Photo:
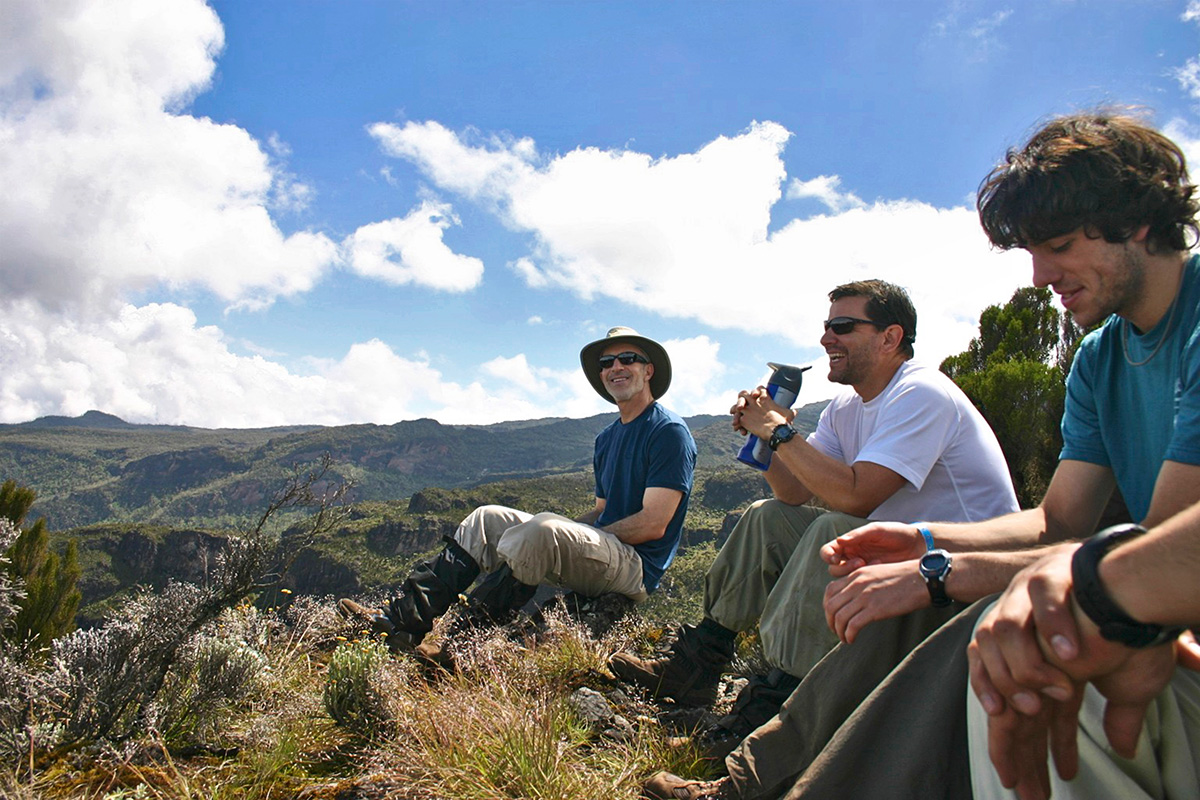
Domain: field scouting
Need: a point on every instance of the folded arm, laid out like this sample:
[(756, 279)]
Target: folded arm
[(658, 506)]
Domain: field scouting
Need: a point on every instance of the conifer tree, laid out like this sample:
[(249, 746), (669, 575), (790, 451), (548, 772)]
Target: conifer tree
[(1015, 374), (51, 597)]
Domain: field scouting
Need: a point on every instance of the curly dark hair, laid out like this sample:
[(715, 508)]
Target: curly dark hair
[(887, 304), (1104, 171)]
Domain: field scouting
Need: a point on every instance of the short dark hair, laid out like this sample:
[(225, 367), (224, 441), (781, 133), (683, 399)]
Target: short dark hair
[(1104, 171), (887, 304)]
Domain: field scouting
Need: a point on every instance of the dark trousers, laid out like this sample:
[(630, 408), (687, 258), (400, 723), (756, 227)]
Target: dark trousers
[(875, 719)]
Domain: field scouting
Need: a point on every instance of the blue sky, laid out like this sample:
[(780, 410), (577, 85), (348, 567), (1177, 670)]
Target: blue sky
[(244, 214)]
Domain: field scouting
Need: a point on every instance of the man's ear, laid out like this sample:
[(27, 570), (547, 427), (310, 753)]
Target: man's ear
[(649, 371), (893, 336)]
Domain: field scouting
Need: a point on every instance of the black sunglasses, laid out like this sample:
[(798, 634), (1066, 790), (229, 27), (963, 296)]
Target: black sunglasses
[(843, 325), (624, 358)]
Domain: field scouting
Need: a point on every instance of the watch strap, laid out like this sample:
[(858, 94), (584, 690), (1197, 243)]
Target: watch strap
[(935, 581), (1093, 599), (783, 432)]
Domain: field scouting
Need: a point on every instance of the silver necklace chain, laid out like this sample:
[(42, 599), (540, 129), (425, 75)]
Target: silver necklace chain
[(1166, 333)]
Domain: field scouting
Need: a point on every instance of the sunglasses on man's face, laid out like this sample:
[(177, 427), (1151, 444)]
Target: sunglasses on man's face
[(624, 358), (843, 325)]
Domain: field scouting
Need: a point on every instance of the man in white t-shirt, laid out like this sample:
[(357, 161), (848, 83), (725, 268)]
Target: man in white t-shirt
[(902, 443)]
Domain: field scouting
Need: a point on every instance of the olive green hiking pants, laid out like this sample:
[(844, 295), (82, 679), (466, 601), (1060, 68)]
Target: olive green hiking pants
[(770, 572)]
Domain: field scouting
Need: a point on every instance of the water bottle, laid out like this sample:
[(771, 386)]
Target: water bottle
[(784, 387)]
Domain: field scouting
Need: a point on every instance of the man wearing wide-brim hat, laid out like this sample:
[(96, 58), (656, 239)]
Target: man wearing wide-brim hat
[(643, 470)]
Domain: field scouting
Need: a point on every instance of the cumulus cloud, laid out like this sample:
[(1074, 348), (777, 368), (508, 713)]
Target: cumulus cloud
[(688, 236), (107, 188), (1187, 136), (827, 190), (411, 250), (154, 364), (697, 382)]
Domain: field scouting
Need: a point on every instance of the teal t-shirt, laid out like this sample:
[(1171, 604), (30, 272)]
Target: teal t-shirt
[(1132, 416), (656, 449)]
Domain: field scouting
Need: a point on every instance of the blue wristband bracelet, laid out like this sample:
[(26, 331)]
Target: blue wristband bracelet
[(928, 538)]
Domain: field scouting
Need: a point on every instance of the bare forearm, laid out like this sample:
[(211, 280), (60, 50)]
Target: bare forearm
[(590, 517), (637, 528), (1153, 577), (786, 487), (976, 575), (1017, 531), (836, 483), (658, 508)]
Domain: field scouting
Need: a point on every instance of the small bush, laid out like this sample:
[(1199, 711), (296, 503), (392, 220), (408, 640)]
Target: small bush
[(213, 675), (351, 694)]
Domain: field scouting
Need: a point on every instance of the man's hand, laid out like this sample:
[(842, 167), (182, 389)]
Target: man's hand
[(874, 543), (1031, 656), (872, 593), (756, 412), (1032, 616)]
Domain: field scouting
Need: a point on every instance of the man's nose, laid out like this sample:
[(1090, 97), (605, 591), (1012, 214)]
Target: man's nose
[(1044, 271)]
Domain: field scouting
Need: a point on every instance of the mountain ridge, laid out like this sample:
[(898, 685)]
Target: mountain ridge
[(97, 468)]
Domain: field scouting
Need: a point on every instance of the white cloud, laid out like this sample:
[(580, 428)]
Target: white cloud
[(474, 171), (107, 189), (688, 236), (1188, 75), (696, 376), (411, 250), (153, 364), (827, 190), (534, 278), (973, 35)]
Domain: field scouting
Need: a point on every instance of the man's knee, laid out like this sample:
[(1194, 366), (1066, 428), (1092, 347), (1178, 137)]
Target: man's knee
[(535, 534), (773, 520), (832, 524)]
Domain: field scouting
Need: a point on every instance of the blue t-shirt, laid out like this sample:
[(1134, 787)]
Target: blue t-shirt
[(654, 450), (1132, 418)]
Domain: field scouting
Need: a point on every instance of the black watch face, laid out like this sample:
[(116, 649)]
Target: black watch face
[(934, 562)]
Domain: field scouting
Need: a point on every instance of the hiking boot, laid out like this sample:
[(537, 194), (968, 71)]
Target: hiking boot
[(690, 672), (430, 590), (758, 701), (711, 744), (376, 620), (666, 786), (357, 612), (435, 657), (598, 614), (494, 602), (756, 704)]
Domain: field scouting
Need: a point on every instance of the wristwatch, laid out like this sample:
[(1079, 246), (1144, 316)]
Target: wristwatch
[(782, 433), (1115, 625), (934, 566)]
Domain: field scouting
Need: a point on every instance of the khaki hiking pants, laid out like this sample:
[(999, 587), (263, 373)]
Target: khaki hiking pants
[(549, 548)]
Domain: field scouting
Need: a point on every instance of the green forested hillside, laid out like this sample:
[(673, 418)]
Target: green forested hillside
[(97, 468), (148, 504)]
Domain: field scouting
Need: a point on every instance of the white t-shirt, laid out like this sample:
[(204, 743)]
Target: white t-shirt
[(926, 430)]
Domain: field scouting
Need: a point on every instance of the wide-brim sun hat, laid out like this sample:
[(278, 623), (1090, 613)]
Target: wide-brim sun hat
[(590, 355)]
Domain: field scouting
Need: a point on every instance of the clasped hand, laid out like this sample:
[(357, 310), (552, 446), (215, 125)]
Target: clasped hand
[(1031, 656), (757, 413)]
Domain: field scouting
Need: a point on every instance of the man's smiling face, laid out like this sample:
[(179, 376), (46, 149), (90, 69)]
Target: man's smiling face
[(1093, 278), (626, 381), (854, 355)]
